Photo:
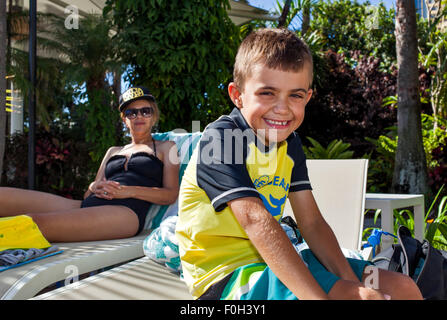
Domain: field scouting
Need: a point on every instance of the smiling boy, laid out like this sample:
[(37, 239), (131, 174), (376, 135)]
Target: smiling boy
[(234, 190)]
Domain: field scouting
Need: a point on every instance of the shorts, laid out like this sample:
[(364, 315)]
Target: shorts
[(257, 282)]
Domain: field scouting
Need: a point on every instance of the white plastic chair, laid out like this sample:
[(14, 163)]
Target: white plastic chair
[(339, 188)]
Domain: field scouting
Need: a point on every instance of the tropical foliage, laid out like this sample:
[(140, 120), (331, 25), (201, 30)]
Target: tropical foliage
[(71, 78), (336, 149), (436, 218), (183, 50)]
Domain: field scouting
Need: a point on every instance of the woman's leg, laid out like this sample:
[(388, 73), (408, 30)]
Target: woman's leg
[(87, 224), (14, 201)]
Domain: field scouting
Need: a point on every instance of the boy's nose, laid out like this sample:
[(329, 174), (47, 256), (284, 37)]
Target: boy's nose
[(281, 107)]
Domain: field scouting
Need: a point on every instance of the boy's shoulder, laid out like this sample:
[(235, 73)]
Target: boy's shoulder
[(222, 123), (234, 120)]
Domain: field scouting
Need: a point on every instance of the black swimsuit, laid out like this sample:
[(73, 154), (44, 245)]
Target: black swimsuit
[(143, 169)]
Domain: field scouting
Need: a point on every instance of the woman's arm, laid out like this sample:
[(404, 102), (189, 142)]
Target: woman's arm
[(318, 235), (275, 247), (100, 175)]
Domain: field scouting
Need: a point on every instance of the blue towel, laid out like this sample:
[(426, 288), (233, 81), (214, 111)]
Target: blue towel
[(18, 257)]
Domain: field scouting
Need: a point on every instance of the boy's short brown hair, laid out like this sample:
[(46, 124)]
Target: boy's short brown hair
[(275, 48)]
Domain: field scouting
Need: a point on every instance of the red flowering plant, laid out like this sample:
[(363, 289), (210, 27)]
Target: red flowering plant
[(63, 165)]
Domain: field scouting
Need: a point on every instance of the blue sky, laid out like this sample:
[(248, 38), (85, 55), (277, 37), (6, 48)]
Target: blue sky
[(271, 4)]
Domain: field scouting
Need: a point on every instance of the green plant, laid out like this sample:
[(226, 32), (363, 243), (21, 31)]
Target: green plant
[(349, 25), (432, 55), (367, 231), (299, 10), (433, 136), (91, 58), (182, 50), (436, 232), (381, 161), (381, 164), (336, 149)]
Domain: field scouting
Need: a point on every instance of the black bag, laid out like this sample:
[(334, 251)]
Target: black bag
[(426, 265)]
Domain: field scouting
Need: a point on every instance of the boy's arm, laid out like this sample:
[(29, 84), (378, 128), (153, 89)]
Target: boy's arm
[(318, 235), (275, 247)]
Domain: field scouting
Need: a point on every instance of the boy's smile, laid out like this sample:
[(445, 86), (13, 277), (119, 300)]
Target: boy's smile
[(273, 101)]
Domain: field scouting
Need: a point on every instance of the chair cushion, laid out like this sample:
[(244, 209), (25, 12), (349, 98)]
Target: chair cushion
[(186, 142)]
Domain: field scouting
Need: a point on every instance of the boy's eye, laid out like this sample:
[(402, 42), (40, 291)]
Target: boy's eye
[(297, 96)]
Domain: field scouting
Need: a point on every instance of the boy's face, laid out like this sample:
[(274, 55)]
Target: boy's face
[(273, 101)]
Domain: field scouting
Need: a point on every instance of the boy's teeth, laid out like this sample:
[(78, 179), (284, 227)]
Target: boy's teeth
[(280, 123)]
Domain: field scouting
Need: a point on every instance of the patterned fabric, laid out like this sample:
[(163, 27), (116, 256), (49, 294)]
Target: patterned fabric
[(186, 142), (258, 282), (162, 246)]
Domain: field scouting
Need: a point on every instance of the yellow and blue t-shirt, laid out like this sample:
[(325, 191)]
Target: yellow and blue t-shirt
[(229, 163)]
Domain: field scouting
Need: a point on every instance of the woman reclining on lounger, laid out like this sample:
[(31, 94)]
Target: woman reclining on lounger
[(129, 180)]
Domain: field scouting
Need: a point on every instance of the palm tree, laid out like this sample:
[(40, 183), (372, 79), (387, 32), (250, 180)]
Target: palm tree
[(88, 50), (410, 171), (75, 67), (284, 13)]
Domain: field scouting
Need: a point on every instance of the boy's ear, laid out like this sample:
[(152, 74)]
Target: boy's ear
[(234, 93), (309, 95)]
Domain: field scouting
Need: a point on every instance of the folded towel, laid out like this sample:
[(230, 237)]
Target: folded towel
[(162, 246), (17, 257)]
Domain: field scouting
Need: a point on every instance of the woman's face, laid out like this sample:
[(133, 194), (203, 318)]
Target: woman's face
[(139, 117)]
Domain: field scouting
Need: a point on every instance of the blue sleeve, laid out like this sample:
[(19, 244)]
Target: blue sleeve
[(300, 179), (221, 170)]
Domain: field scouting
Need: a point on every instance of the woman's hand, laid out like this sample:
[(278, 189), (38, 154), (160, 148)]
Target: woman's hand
[(109, 190)]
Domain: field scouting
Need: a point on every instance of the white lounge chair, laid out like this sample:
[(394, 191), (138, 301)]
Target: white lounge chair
[(85, 257), (339, 188)]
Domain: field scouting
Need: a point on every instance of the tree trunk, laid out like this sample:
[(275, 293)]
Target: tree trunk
[(410, 170), (117, 90), (3, 42), (306, 18), (285, 11)]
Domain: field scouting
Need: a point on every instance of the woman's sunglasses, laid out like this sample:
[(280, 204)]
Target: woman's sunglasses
[(146, 112)]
